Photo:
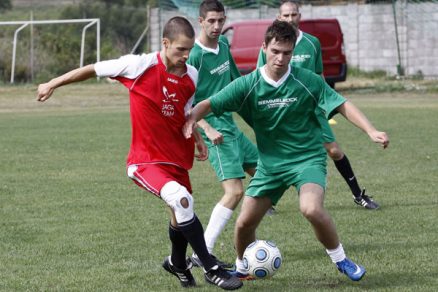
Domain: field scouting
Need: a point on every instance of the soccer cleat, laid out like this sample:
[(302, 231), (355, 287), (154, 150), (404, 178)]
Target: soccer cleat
[(242, 276), (185, 276), (366, 201), (197, 262), (352, 270), (221, 278)]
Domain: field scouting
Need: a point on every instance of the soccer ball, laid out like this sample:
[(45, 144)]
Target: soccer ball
[(262, 259)]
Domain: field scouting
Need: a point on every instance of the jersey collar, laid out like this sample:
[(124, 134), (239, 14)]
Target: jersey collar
[(268, 80), (214, 51), (299, 37), (160, 61)]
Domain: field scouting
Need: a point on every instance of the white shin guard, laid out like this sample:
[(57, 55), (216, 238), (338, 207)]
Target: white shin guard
[(174, 194)]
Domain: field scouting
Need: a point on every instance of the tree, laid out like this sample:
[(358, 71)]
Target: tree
[(5, 5)]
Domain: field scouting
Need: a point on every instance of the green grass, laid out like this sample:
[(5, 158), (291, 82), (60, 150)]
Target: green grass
[(70, 219)]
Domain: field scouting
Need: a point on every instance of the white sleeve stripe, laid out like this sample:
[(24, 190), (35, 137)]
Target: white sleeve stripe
[(314, 48), (193, 74), (189, 105), (310, 93)]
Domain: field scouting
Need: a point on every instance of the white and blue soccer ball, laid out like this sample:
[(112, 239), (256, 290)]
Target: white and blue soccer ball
[(262, 259)]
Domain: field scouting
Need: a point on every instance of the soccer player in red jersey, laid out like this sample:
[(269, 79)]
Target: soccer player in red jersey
[(161, 90)]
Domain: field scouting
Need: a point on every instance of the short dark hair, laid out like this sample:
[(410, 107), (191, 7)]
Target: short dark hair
[(281, 31), (210, 5), (176, 26), (297, 3)]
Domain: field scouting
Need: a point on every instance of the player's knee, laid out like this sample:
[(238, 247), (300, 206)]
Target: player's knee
[(245, 224), (233, 197), (311, 211), (239, 225), (179, 199), (334, 151)]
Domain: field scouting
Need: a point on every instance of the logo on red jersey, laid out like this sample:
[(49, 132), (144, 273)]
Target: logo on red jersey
[(168, 108), (172, 80)]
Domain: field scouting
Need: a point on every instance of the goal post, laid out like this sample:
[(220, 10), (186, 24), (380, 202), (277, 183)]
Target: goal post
[(23, 24)]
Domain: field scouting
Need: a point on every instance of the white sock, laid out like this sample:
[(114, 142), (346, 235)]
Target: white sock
[(218, 219), (239, 266), (337, 254)]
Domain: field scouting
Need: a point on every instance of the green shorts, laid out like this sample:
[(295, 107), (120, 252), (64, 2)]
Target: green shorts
[(273, 185), (231, 158)]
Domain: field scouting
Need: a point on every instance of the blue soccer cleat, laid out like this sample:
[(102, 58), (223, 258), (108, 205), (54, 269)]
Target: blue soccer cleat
[(352, 270), (241, 276)]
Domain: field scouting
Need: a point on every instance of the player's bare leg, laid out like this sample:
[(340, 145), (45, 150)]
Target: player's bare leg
[(312, 207), (251, 214), (233, 193)]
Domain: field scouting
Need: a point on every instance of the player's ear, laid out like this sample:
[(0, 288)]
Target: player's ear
[(264, 47), (200, 19), (165, 42)]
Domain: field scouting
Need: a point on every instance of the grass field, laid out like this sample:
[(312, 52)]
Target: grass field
[(70, 219)]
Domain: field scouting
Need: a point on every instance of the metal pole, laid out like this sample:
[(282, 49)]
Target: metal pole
[(15, 49), (98, 41), (31, 48), (83, 42), (140, 39), (399, 66)]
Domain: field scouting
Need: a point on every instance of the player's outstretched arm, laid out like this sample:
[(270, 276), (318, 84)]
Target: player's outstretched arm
[(356, 117), (197, 113), (45, 90)]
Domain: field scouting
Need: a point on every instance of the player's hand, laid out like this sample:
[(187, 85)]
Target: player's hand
[(188, 128), (380, 137), (44, 92), (214, 135), (202, 154)]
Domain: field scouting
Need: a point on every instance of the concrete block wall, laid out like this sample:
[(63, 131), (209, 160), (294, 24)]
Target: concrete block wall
[(369, 33)]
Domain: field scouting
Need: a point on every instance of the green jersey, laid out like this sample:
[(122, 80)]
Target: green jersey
[(307, 54), (286, 114), (216, 69)]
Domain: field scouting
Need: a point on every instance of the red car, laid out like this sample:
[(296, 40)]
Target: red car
[(246, 38)]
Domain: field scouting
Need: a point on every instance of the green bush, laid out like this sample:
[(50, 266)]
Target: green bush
[(57, 47)]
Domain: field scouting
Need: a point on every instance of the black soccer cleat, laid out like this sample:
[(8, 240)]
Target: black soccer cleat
[(197, 262), (185, 277), (221, 278), (366, 201)]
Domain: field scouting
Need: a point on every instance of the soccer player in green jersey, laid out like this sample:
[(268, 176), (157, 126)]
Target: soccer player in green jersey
[(231, 153), (307, 54), (285, 104)]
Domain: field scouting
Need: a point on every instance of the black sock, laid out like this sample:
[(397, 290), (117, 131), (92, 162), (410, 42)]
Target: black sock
[(194, 233), (344, 167), (179, 247)]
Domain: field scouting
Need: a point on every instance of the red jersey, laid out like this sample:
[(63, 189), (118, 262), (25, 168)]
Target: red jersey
[(159, 102)]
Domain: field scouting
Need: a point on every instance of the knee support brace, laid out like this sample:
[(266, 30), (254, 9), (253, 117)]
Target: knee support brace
[(174, 195)]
